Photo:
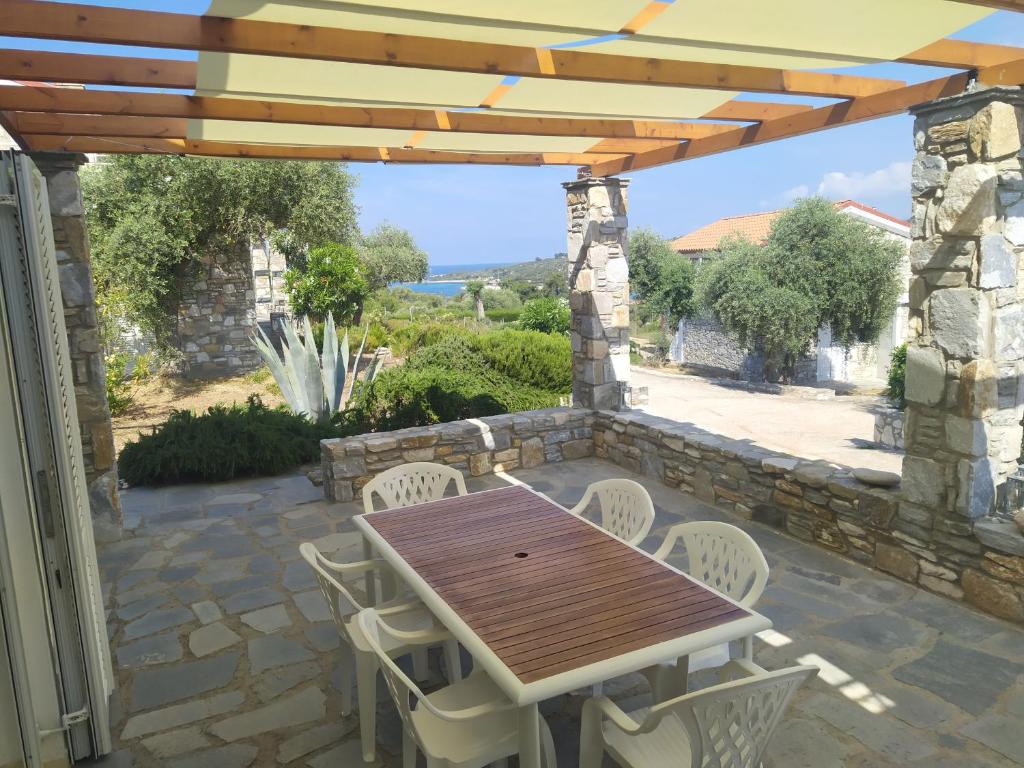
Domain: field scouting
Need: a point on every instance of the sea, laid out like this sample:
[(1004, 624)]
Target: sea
[(436, 283)]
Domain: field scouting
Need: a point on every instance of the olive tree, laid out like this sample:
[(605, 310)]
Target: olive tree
[(817, 266)]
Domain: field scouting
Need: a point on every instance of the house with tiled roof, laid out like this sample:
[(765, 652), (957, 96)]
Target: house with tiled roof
[(703, 346)]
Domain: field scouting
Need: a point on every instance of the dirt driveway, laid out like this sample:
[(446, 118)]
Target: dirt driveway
[(835, 430)]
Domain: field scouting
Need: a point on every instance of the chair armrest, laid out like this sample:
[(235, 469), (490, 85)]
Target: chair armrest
[(737, 669), (603, 706), (471, 713)]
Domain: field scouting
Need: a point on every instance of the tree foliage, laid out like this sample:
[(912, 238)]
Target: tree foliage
[(152, 217), (817, 266), (392, 256), (661, 278), (331, 283)]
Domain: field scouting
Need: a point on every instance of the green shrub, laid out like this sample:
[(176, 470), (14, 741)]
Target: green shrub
[(540, 360), (547, 315), (898, 376), (465, 375), (119, 394), (410, 396), (221, 444)]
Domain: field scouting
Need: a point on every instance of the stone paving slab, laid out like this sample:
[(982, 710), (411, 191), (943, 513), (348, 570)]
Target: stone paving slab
[(908, 678)]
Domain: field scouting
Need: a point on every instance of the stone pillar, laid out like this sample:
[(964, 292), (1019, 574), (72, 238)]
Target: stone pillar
[(598, 291), (79, 296), (965, 358), (217, 315)]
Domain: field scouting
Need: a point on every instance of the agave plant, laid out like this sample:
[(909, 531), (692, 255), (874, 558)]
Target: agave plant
[(313, 383)]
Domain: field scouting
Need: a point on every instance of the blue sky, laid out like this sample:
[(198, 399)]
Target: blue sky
[(470, 214)]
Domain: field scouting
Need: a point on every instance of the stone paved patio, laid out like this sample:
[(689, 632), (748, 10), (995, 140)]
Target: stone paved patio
[(225, 653)]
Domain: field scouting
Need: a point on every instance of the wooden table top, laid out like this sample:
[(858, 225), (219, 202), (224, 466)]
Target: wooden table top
[(545, 590)]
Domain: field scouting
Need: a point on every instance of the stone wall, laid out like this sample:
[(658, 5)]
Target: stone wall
[(598, 290), (889, 427), (217, 316), (73, 262), (475, 446), (814, 501), (701, 343)]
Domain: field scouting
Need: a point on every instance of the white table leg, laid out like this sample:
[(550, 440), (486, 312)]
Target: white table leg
[(529, 737), (371, 585)]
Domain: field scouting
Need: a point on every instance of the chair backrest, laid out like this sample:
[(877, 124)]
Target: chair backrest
[(413, 483), (331, 576), (626, 508), (721, 556), (729, 725)]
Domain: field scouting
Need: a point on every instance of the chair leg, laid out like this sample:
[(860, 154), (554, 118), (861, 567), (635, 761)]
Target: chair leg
[(346, 670), (591, 739), (366, 686), (453, 660), (420, 670), (547, 745), (408, 749)]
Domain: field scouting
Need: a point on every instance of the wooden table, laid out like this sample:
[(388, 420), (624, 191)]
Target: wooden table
[(548, 602)]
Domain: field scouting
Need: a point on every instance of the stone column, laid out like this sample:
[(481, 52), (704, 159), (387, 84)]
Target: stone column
[(79, 296), (965, 358), (598, 291)]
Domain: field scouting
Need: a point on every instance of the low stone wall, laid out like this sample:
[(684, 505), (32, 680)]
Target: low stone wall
[(889, 427), (475, 446), (814, 501)]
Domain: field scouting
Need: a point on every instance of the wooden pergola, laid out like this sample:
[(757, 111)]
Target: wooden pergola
[(365, 93)]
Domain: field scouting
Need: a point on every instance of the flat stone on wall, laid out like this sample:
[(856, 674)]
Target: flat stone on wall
[(71, 241)]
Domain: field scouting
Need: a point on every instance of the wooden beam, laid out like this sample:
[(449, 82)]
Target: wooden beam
[(42, 124), (961, 54), (62, 100), (1011, 73), (754, 111), (999, 5), (147, 145), (858, 110), (89, 69), (114, 126), (85, 23)]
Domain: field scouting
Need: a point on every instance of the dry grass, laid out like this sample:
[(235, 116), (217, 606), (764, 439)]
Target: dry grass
[(158, 396)]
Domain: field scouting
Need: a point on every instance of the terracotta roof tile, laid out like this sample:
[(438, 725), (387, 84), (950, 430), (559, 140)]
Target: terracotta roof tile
[(753, 227)]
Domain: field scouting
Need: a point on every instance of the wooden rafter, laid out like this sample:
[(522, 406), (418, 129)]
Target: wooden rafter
[(961, 54), (87, 69), (858, 110), (999, 5), (84, 23), (114, 126), (146, 145), (1010, 73), (126, 104)]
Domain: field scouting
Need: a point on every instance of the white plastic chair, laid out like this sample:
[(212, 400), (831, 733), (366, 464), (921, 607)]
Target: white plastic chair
[(726, 726), (468, 724), (418, 628), (726, 559), (626, 508), (413, 483)]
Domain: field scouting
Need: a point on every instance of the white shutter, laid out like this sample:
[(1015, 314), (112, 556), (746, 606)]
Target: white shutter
[(69, 481)]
